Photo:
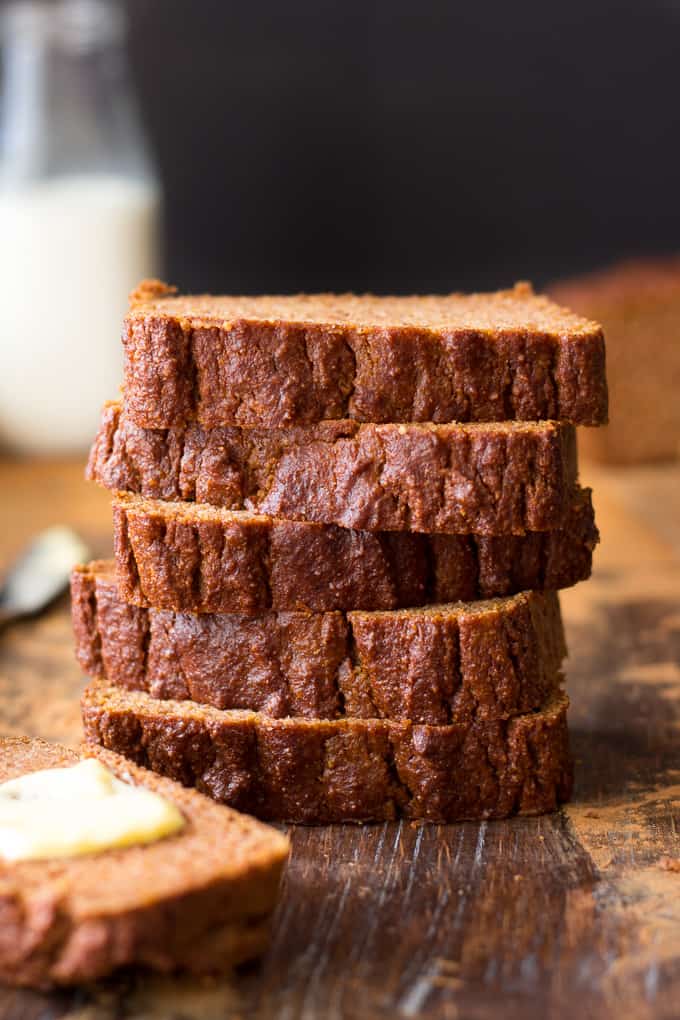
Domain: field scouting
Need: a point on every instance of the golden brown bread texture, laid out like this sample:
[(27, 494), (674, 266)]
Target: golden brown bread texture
[(323, 771), (484, 479), (285, 360), (639, 303), (191, 557), (199, 901), (436, 665)]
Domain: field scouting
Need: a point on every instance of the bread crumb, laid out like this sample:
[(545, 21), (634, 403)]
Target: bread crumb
[(669, 863)]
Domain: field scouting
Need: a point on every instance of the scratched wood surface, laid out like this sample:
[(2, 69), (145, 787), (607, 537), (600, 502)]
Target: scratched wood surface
[(576, 914)]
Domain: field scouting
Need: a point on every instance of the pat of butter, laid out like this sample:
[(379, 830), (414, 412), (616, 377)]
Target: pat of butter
[(83, 809)]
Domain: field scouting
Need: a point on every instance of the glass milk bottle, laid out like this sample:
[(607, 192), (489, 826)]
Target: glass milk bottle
[(78, 217)]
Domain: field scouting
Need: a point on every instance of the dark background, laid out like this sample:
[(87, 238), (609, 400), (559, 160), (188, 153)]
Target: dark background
[(404, 146)]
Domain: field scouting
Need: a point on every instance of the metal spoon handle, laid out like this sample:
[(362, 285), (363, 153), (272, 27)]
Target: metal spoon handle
[(40, 574)]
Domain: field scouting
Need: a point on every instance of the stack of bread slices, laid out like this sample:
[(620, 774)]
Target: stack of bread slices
[(340, 525)]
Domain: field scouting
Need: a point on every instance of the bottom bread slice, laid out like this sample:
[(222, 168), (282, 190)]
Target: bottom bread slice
[(198, 901), (322, 771)]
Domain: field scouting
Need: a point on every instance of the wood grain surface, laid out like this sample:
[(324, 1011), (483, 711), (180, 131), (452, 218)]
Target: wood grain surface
[(572, 915)]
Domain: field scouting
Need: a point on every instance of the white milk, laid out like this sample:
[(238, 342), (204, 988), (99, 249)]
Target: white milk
[(71, 249)]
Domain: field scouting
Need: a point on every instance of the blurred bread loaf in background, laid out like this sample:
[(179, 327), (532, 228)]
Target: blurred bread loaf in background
[(638, 304)]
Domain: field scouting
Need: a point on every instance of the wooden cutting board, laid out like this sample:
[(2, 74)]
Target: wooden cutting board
[(572, 915)]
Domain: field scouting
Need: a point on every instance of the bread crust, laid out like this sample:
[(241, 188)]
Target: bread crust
[(195, 558), (303, 359), (74, 920), (459, 479), (319, 772), (439, 665)]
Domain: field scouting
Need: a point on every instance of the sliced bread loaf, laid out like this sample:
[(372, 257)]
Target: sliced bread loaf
[(197, 901), (191, 557), (285, 360), (322, 771), (435, 665), (639, 302), (488, 479)]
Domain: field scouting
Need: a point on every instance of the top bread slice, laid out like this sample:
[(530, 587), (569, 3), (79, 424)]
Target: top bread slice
[(198, 901), (275, 361)]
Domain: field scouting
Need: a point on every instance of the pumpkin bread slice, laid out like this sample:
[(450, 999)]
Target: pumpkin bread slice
[(310, 357), (199, 901)]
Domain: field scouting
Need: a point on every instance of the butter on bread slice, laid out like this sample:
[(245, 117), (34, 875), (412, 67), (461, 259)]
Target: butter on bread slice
[(199, 901)]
